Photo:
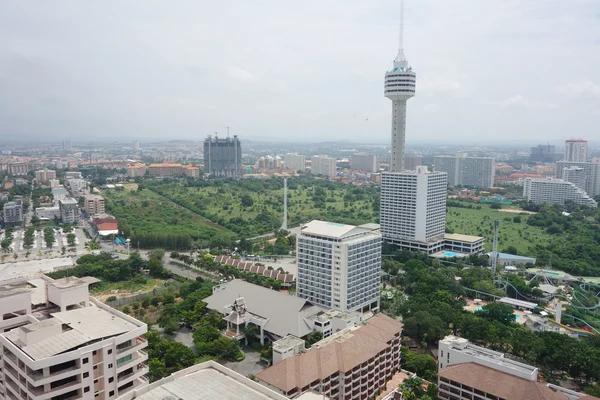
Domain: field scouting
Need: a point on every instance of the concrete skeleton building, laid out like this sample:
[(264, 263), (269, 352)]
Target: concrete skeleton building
[(542, 153), (467, 171), (576, 150), (364, 162), (468, 372), (413, 209), (294, 162), (223, 157), (323, 165), (94, 204), (57, 342), (591, 170), (354, 363), (45, 175), (13, 213), (339, 266), (555, 191)]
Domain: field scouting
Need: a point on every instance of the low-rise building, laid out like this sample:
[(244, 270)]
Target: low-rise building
[(45, 175), (69, 211), (13, 213), (94, 204), (48, 213), (136, 169), (73, 175), (78, 187), (463, 243), (165, 169), (352, 364), (57, 342)]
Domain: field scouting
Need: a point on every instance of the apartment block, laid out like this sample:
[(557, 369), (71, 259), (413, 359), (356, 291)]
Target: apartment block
[(13, 213), (191, 171), (45, 175), (136, 169), (576, 150), (467, 171), (413, 209), (364, 162), (592, 174), (411, 161), (555, 191), (69, 211), (354, 363), (339, 266), (223, 157), (58, 343), (294, 162), (94, 204), (18, 168), (468, 372), (323, 165)]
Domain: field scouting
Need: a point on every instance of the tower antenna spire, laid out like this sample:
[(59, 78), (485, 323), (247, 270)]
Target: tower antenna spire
[(401, 62)]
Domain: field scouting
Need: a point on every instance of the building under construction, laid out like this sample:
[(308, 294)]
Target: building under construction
[(223, 157)]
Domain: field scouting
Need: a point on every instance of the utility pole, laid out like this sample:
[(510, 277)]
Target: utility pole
[(495, 248)]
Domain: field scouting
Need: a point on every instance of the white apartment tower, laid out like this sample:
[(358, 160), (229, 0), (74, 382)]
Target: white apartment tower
[(339, 266), (323, 165), (555, 191), (467, 171), (591, 171), (413, 209), (399, 87), (58, 343), (364, 162), (294, 162), (576, 150)]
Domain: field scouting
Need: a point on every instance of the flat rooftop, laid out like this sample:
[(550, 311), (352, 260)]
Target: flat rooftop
[(207, 381), (462, 238), (30, 269), (287, 342), (334, 230)]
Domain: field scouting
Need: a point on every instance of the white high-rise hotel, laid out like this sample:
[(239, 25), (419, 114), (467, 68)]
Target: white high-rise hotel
[(413, 203), (339, 266)]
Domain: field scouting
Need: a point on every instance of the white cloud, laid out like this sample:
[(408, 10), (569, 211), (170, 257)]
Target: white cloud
[(581, 89), (440, 85), (432, 107), (520, 101), (240, 74)]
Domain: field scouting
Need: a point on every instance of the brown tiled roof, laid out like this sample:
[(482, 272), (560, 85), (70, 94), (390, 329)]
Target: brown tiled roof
[(338, 355), (499, 383), (589, 397), (289, 278)]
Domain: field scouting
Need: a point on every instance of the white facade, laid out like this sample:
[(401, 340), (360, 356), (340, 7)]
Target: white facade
[(339, 266), (69, 212), (576, 150), (575, 175), (592, 174), (77, 186), (323, 165), (364, 162), (48, 213), (555, 191), (467, 171), (413, 209), (454, 350), (79, 348), (294, 162)]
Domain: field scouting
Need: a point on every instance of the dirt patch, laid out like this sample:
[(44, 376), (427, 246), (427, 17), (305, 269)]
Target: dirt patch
[(512, 210), (130, 186)]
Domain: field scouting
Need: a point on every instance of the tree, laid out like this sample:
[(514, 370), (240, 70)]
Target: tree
[(313, 338), (205, 333), (424, 325), (499, 312), (246, 200), (157, 368), (421, 364), (71, 239), (511, 250)]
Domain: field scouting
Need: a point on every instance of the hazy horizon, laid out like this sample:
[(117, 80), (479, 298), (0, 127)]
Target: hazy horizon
[(497, 71)]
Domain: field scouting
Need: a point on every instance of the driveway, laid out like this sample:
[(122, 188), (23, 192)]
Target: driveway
[(249, 365)]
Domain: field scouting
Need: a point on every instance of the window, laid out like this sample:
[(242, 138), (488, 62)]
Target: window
[(110, 365), (94, 352), (95, 380), (111, 393), (109, 351), (86, 389), (111, 380), (86, 374), (86, 360)]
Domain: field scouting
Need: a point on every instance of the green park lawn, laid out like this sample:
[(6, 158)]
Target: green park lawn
[(481, 223)]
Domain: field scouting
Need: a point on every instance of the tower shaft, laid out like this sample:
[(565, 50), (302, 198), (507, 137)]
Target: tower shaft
[(398, 135)]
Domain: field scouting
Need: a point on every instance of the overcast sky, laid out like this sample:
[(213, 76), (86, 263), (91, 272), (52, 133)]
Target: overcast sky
[(298, 70)]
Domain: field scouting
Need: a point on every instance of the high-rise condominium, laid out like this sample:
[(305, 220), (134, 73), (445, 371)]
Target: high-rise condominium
[(576, 150), (223, 157), (364, 162), (591, 171), (339, 266), (467, 171), (294, 162), (323, 165), (413, 209)]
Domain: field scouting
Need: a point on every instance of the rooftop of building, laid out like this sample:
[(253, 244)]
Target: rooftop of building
[(286, 314), (336, 231), (165, 164), (498, 383), (94, 197), (287, 342), (69, 330), (515, 257), (72, 281), (340, 352), (462, 238), (68, 200), (464, 346)]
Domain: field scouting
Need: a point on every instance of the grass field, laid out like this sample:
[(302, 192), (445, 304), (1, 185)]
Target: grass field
[(253, 208), (148, 211), (480, 223)]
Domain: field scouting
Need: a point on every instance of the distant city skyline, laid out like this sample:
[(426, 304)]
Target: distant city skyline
[(488, 71)]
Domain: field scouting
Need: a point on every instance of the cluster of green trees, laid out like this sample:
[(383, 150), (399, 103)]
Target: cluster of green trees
[(413, 389), (434, 309), (167, 240), (166, 356), (209, 342), (28, 237), (49, 238), (7, 240)]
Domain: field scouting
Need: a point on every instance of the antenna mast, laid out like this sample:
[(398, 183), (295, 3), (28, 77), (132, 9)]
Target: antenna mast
[(401, 62)]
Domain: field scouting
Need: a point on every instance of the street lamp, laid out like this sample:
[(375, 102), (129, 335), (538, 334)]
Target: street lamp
[(128, 240)]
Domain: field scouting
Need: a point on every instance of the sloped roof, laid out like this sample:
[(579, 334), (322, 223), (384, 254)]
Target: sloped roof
[(285, 313), (499, 383)]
